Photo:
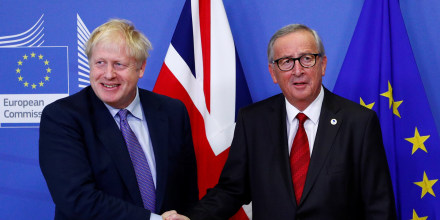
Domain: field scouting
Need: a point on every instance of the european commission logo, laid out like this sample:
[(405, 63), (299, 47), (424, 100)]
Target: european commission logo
[(83, 63), (32, 76)]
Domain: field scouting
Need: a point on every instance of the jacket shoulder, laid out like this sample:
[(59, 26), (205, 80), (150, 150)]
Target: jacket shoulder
[(273, 102), (349, 108), (75, 102), (152, 97)]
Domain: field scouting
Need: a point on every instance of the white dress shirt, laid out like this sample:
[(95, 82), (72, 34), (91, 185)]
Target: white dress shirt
[(313, 112)]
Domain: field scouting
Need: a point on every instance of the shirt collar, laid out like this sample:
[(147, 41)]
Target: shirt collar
[(312, 111), (134, 107)]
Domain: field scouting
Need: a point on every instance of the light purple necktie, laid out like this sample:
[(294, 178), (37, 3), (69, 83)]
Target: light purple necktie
[(140, 163)]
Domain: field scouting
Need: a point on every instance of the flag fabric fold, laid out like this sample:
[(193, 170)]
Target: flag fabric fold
[(202, 69), (380, 73)]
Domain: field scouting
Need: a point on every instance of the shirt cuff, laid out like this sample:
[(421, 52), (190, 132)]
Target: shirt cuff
[(155, 217)]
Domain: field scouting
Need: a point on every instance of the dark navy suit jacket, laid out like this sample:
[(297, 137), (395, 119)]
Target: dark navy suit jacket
[(87, 166), (348, 176)]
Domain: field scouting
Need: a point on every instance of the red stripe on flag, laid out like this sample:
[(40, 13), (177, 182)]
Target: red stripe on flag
[(205, 32), (209, 166), (240, 215)]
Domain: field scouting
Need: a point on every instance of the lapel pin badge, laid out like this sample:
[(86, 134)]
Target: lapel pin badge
[(333, 121)]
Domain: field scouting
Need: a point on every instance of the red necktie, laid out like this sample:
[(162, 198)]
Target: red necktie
[(299, 158)]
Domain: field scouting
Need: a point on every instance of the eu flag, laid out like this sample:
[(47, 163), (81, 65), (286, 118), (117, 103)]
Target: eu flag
[(33, 70), (380, 72)]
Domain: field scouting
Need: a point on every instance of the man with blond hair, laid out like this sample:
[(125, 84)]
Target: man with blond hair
[(113, 150)]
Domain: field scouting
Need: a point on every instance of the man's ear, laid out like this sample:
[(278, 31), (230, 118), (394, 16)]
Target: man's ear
[(142, 69), (272, 72), (324, 65)]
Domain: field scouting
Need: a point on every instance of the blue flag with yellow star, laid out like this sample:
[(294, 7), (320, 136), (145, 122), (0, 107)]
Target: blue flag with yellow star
[(33, 70), (380, 73)]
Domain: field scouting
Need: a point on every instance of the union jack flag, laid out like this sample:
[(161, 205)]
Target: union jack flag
[(202, 69)]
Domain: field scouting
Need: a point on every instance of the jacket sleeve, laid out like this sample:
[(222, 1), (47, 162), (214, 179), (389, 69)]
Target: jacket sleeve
[(376, 186), (232, 190), (189, 187)]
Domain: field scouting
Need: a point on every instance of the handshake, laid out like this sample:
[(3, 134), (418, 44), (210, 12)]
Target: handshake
[(173, 215)]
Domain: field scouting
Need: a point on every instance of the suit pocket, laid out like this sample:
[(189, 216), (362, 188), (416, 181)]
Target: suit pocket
[(335, 169)]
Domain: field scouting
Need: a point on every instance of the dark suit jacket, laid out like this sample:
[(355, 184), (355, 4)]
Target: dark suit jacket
[(348, 176), (87, 166)]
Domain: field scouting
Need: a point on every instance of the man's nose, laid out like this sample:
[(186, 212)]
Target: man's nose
[(109, 71), (297, 69)]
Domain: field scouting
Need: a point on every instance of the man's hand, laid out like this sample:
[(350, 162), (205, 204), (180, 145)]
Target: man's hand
[(173, 215)]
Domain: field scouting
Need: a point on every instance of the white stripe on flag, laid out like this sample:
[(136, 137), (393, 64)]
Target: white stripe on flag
[(223, 67), (219, 137), (198, 55)]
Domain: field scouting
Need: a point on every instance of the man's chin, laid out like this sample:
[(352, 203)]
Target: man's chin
[(109, 99)]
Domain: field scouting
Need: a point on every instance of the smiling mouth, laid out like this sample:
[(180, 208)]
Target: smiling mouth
[(110, 86)]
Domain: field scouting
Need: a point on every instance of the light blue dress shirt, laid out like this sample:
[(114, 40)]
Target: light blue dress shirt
[(138, 124)]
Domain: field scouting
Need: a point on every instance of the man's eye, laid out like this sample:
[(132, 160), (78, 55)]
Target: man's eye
[(307, 58), (285, 61), (119, 66)]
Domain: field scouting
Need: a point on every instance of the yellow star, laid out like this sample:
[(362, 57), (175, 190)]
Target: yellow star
[(26, 84), (40, 57), (416, 217), (395, 106), (32, 54), (418, 141), (34, 86), (20, 78), (48, 70), (18, 70), (20, 63), (41, 83), (25, 57), (370, 106), (46, 78), (426, 185), (389, 94), (46, 62)]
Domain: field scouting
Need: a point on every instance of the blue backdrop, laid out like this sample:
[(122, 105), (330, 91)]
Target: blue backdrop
[(61, 26)]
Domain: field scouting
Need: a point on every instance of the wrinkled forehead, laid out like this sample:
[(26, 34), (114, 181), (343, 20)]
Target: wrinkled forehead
[(296, 42), (117, 47)]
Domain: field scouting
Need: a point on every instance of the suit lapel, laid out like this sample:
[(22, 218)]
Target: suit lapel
[(157, 122), (328, 127), (112, 139), (278, 139)]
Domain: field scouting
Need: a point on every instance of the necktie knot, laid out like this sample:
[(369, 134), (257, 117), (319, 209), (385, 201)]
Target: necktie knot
[(301, 118), (123, 113)]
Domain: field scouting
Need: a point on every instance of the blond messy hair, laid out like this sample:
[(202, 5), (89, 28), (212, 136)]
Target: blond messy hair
[(118, 32)]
